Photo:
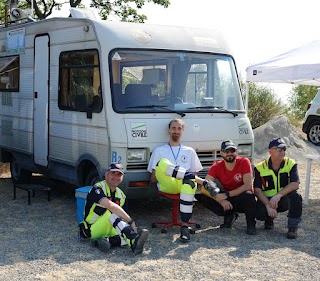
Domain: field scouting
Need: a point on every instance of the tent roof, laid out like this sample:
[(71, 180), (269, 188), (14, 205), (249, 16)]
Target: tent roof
[(298, 66)]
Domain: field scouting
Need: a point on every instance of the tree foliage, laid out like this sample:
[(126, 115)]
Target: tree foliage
[(125, 10), (263, 104), (300, 96)]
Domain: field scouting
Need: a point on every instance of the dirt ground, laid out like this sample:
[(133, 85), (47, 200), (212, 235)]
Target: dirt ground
[(39, 242)]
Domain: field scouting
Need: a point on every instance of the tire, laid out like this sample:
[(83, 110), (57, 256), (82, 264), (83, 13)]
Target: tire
[(313, 133), (92, 178), (19, 175)]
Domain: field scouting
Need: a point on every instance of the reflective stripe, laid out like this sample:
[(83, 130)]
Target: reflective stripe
[(187, 197), (266, 174), (170, 169), (186, 209), (92, 218), (175, 171)]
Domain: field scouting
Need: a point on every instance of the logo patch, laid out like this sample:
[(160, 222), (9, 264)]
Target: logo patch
[(237, 177), (184, 159)]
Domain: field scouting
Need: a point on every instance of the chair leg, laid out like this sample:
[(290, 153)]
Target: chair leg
[(174, 219), (175, 211)]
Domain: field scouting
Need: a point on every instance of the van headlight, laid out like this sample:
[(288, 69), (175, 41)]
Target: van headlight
[(244, 150), (137, 155)]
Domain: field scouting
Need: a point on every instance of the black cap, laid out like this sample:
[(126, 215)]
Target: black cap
[(116, 167), (228, 144), (278, 142)]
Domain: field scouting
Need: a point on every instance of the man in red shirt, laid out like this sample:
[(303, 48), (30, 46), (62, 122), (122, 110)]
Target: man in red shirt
[(235, 175)]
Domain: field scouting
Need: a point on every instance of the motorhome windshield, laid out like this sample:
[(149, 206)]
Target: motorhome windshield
[(161, 81)]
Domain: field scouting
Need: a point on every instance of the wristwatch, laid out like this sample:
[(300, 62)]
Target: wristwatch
[(227, 193)]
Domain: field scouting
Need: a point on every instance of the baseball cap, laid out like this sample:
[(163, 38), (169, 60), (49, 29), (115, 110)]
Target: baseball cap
[(228, 144), (278, 142), (116, 167)]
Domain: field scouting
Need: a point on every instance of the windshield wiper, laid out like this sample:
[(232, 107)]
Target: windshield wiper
[(219, 109), (165, 107)]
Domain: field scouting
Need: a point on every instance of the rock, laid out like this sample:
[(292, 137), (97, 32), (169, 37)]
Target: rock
[(280, 126)]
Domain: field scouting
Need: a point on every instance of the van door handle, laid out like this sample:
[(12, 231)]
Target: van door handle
[(35, 95)]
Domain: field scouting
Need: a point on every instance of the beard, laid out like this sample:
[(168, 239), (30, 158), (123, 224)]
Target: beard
[(175, 137), (229, 159)]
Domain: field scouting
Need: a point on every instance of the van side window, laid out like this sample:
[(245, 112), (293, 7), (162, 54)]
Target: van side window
[(9, 74), (79, 81)]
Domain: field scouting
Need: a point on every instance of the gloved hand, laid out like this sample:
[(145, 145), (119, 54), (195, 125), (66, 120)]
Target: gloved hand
[(211, 187)]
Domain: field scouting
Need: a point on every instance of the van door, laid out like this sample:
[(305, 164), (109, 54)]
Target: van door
[(41, 99)]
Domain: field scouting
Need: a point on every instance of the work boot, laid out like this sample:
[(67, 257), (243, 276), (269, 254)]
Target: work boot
[(102, 244), (268, 223), (185, 234), (228, 221), (139, 241), (292, 233), (251, 229), (115, 241)]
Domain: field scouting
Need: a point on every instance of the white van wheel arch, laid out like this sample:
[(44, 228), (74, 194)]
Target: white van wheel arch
[(19, 175), (314, 133)]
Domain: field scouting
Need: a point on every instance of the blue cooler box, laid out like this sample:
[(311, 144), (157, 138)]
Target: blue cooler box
[(81, 195)]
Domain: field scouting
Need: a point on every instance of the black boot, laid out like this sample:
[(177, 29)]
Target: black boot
[(251, 226), (228, 221)]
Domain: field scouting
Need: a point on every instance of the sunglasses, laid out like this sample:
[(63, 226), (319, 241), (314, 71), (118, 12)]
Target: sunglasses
[(279, 149), (230, 150)]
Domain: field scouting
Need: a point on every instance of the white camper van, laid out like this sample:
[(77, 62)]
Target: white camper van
[(78, 94)]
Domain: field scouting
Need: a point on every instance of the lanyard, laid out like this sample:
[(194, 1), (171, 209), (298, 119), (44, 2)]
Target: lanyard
[(175, 156)]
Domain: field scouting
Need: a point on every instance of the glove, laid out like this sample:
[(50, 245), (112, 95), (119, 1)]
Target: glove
[(211, 187)]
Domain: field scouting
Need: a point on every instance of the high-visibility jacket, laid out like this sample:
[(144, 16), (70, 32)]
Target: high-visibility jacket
[(272, 183), (96, 211)]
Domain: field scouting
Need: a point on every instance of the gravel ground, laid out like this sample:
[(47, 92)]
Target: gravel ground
[(39, 242)]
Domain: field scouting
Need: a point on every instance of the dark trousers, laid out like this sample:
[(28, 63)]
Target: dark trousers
[(243, 203), (291, 202)]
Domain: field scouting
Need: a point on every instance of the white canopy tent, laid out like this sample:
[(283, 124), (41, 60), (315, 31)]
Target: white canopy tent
[(298, 66)]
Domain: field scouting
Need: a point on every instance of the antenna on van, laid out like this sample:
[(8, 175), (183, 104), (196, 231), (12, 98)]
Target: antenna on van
[(17, 14)]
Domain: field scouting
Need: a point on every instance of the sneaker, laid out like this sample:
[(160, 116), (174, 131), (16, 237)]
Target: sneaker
[(228, 221), (292, 233), (185, 234), (251, 229), (102, 244), (268, 224), (139, 241)]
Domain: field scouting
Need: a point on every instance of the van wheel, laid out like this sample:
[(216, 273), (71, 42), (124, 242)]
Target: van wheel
[(92, 178), (19, 175), (314, 133)]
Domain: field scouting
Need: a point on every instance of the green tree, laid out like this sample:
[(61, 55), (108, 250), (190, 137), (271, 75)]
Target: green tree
[(125, 10), (299, 98), (263, 104)]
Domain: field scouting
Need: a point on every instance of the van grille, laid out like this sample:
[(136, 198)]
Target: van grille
[(207, 158)]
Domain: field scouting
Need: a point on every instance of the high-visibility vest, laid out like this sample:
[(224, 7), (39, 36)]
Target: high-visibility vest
[(272, 183), (96, 211)]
